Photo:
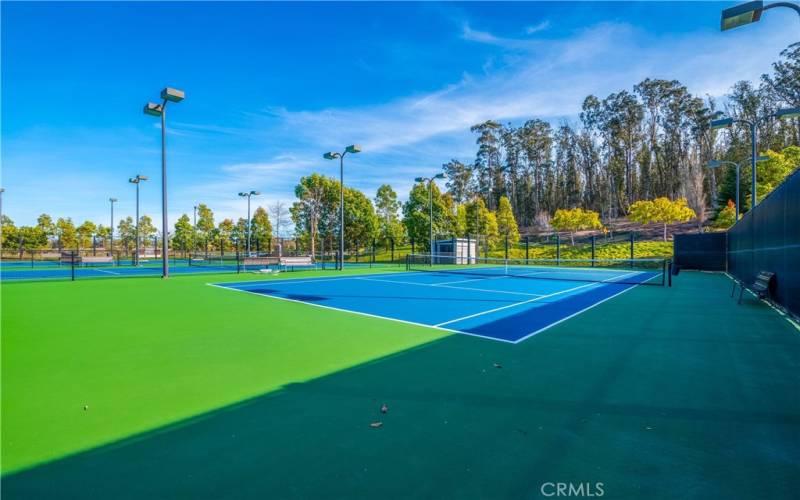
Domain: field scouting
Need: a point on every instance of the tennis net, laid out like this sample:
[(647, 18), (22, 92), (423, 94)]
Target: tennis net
[(623, 271)]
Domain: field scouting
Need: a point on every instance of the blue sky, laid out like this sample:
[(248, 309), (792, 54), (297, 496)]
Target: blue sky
[(271, 86)]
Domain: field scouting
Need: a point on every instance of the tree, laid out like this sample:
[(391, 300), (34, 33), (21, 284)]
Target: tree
[(316, 195), (146, 230), (9, 233), (360, 221), (260, 230), (386, 208), (205, 223), (726, 217), (575, 219), (281, 217), (506, 224), (67, 236), (45, 223), (85, 232), (126, 229), (224, 232), (661, 210), (459, 180), (481, 223), (416, 214), (104, 233), (183, 232)]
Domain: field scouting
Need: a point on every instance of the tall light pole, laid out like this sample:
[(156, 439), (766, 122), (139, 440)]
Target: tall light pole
[(248, 195), (137, 180), (194, 232), (2, 190), (786, 113), (738, 165), (112, 201), (167, 95), (354, 148), (749, 12), (429, 180)]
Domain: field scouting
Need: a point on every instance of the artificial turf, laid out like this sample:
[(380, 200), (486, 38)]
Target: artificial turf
[(659, 393)]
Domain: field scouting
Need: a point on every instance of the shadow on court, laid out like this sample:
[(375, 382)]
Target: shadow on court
[(659, 393)]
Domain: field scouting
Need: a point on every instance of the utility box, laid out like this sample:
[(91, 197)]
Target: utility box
[(455, 251)]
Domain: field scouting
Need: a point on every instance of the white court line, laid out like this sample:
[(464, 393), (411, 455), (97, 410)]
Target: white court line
[(321, 279), (358, 313), (440, 285), (105, 271), (525, 302), (540, 330)]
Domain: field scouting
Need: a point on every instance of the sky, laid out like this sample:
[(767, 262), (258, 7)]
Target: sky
[(270, 87)]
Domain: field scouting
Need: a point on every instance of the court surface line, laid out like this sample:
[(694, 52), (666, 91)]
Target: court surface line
[(438, 285), (540, 330), (359, 313), (514, 304), (106, 271), (531, 300)]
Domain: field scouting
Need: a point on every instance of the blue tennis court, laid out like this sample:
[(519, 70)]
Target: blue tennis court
[(488, 303)]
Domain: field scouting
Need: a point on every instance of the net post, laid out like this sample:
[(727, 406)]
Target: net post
[(408, 262), (72, 265), (593, 250), (558, 249), (506, 248), (32, 258), (238, 260), (391, 242), (632, 236), (527, 244)]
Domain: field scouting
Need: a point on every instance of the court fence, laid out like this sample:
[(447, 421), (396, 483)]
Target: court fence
[(767, 238)]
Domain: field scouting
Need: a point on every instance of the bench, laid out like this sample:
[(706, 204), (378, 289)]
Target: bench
[(761, 286), (292, 262), (259, 261), (96, 259)]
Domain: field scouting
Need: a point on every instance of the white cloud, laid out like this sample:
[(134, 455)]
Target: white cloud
[(537, 27)]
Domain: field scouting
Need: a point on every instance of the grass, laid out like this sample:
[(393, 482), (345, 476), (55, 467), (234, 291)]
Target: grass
[(196, 392)]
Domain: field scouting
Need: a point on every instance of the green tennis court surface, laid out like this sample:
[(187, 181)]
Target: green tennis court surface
[(193, 391)]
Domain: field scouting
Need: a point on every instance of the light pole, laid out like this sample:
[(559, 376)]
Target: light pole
[(354, 148), (137, 180), (749, 12), (248, 195), (167, 95), (430, 207), (2, 190), (112, 200), (738, 165), (786, 113), (194, 232)]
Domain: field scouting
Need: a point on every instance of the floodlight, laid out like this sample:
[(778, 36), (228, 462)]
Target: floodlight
[(172, 95), (113, 200), (330, 155), (153, 109), (439, 176), (355, 148), (715, 164), (742, 14), (419, 179), (255, 192), (721, 123), (788, 113)]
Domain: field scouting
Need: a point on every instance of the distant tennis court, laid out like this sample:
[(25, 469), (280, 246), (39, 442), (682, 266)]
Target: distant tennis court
[(497, 299)]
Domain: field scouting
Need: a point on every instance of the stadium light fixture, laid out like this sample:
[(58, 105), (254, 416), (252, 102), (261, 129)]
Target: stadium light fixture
[(137, 180), (788, 113), (160, 110), (721, 123), (248, 195), (748, 13), (332, 155)]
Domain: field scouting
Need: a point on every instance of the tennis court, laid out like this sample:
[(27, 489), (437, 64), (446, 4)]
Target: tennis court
[(496, 299)]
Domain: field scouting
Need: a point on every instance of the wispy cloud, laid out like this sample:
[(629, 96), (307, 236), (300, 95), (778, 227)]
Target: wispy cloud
[(530, 30)]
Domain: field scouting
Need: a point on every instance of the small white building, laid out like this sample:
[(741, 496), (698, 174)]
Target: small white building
[(455, 251)]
